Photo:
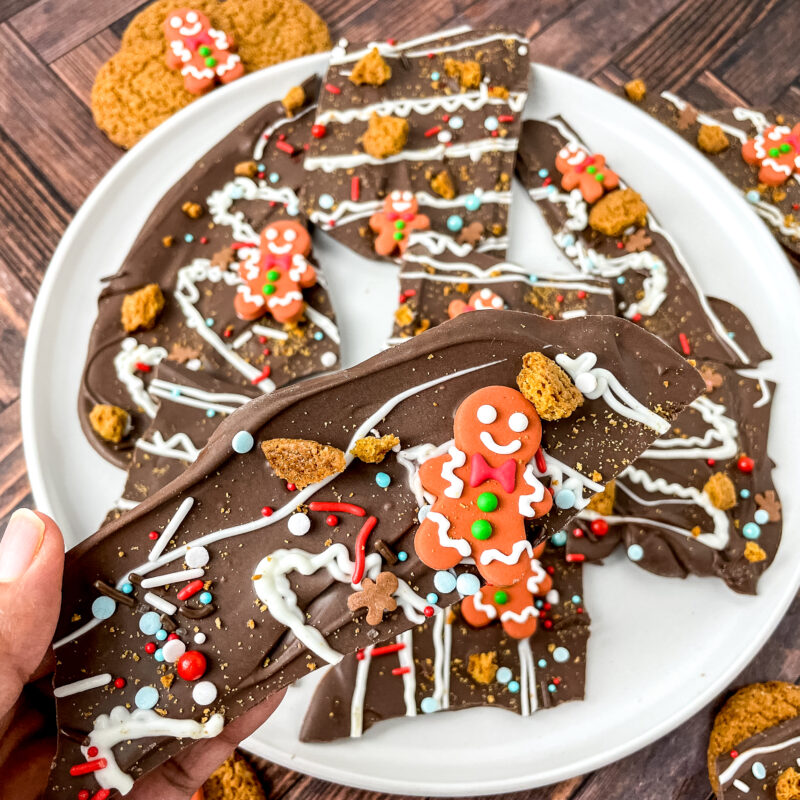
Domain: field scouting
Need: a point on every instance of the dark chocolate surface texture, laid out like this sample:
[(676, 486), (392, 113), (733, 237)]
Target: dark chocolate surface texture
[(469, 133), (652, 281), (753, 775), (777, 205), (440, 653), (440, 279), (673, 538), (197, 275), (220, 509)]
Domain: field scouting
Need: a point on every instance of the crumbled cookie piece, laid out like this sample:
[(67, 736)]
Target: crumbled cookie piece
[(371, 69), (603, 502), (385, 136), (548, 387), (618, 210), (754, 553), (443, 185), (482, 667), (500, 92), (168, 241), (787, 787), (636, 90), (294, 100), (404, 315), (302, 461), (712, 139), (234, 779), (109, 422), (246, 169), (140, 309), (721, 491), (467, 72), (372, 450), (192, 210)]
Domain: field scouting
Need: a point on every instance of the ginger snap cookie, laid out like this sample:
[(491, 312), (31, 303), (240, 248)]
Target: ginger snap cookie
[(758, 716), (173, 52), (234, 780)]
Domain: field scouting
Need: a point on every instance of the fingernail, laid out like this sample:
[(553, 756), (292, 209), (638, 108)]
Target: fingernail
[(20, 544)]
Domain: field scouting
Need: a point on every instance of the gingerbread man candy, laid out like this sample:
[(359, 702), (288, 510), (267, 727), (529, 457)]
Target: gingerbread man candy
[(202, 53), (776, 152), (399, 217), (585, 172), (274, 276), (513, 605), (485, 488), (482, 300)]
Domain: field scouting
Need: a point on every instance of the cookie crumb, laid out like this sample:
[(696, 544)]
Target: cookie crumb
[(235, 778), (140, 309), (754, 553), (712, 139), (603, 502), (500, 92), (636, 90), (302, 461), (168, 241), (443, 185), (618, 210), (109, 422), (385, 136), (246, 169), (371, 69), (548, 387), (404, 315), (192, 210), (294, 100), (467, 72), (482, 667), (787, 787), (721, 491), (372, 450)]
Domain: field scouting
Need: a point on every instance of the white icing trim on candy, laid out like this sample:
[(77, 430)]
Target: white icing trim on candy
[(611, 390), (457, 458), (197, 398), (179, 446), (442, 527), (493, 554), (130, 354), (121, 725)]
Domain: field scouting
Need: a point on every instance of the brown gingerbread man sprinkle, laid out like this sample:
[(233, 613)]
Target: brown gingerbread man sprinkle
[(375, 596), (471, 234), (638, 241), (712, 378), (181, 353), (768, 501)]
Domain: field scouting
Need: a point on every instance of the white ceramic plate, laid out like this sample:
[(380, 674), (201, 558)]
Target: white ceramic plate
[(660, 649)]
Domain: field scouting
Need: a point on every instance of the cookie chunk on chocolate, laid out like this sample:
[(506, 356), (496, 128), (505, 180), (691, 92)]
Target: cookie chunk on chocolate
[(417, 135)]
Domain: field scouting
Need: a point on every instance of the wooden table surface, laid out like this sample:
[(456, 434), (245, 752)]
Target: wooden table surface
[(714, 52)]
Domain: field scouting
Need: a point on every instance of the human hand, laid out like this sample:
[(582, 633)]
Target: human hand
[(31, 569)]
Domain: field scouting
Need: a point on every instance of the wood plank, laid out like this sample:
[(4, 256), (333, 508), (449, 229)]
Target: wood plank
[(54, 27), (789, 103), (707, 91), (11, 7), (764, 62), (16, 304), (14, 487), (586, 39), (10, 431), (529, 19), (78, 68), (56, 130)]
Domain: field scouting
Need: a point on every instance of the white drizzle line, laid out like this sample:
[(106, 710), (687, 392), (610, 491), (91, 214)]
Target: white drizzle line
[(442, 633), (173, 577), (323, 323), (718, 442), (611, 390), (529, 698), (264, 330), (179, 446), (742, 758), (359, 692), (705, 119), (197, 398), (406, 659), (261, 144), (169, 531), (130, 354), (412, 457), (83, 685), (574, 480), (187, 294), (473, 150), (122, 725)]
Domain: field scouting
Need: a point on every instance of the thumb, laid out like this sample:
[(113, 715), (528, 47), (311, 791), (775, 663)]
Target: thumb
[(31, 567)]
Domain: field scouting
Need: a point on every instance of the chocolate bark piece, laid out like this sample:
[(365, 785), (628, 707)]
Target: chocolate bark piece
[(653, 282), (441, 278), (372, 686), (451, 164), (765, 766), (258, 630), (776, 205), (241, 185)]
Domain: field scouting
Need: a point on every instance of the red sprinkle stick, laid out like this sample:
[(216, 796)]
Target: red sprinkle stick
[(361, 544), (89, 766), (401, 670), (332, 89), (387, 648), (286, 147), (342, 508), (541, 464), (193, 587), (684, 344), (101, 795), (355, 188)]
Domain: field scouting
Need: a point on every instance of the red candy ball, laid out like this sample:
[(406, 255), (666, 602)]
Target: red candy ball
[(153, 535), (745, 464), (172, 636), (83, 794), (332, 520), (191, 665), (599, 527), (266, 511), (120, 683), (318, 131), (150, 648), (428, 611)]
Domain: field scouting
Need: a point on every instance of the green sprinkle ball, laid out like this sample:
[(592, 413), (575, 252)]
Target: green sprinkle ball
[(488, 502), (501, 597), (481, 529)]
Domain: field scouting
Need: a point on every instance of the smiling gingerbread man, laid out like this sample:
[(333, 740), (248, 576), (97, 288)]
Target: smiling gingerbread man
[(485, 488), (202, 53), (400, 216), (275, 274)]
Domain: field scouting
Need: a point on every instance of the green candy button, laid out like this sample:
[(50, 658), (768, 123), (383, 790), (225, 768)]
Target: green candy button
[(487, 501), (599, 177), (591, 170), (204, 50), (399, 224), (501, 597), (211, 61), (273, 275), (786, 147), (398, 236), (268, 289), (481, 529), (774, 152)]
